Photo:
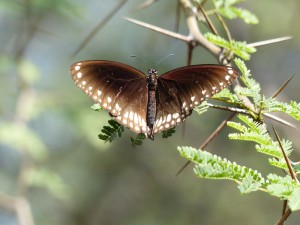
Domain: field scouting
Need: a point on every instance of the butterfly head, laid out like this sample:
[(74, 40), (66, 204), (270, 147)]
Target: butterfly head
[(152, 78), (152, 71)]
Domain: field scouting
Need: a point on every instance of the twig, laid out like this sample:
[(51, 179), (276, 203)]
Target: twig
[(284, 217)]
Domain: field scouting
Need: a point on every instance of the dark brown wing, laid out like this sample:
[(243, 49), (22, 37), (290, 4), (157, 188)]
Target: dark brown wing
[(119, 88), (180, 90)]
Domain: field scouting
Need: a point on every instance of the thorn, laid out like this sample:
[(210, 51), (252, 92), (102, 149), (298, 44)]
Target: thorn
[(160, 30), (282, 121), (288, 163), (145, 4), (271, 41), (99, 26), (282, 87)]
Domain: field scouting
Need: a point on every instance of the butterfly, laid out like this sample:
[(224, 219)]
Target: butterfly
[(150, 103)]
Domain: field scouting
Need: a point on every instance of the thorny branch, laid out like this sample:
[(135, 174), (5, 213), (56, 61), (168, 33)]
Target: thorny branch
[(197, 38)]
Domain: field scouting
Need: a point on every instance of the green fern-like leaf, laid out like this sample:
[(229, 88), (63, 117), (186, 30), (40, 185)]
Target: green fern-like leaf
[(280, 163), (257, 132), (294, 200), (109, 133), (96, 107), (281, 187), (202, 108), (227, 9), (248, 185), (214, 167), (292, 109), (168, 133), (239, 48), (138, 140), (252, 88)]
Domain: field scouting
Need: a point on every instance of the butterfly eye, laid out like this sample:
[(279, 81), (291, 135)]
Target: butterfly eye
[(149, 104)]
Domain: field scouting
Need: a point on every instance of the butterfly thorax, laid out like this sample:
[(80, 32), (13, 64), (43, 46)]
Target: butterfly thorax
[(151, 109)]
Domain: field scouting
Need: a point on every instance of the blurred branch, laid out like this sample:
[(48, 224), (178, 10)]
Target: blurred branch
[(7, 201), (23, 211), (100, 25)]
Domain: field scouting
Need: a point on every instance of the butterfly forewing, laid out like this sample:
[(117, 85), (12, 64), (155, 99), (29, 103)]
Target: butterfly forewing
[(119, 88), (180, 90)]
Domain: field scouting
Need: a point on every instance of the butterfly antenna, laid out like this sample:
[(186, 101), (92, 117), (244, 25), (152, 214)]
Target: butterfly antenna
[(163, 59), (144, 61)]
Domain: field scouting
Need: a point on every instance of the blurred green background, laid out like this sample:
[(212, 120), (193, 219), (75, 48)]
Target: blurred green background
[(50, 155)]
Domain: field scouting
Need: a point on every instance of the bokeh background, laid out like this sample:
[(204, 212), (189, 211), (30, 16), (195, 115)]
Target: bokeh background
[(50, 156)]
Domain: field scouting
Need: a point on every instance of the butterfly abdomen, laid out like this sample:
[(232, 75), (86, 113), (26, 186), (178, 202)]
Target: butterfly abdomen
[(151, 105)]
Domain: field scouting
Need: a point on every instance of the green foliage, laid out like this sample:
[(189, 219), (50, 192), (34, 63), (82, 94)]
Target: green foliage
[(227, 9), (251, 128), (168, 133), (28, 71), (109, 133), (138, 140), (256, 132), (294, 200), (214, 167), (97, 107), (23, 139), (248, 180), (50, 181), (241, 49), (202, 108)]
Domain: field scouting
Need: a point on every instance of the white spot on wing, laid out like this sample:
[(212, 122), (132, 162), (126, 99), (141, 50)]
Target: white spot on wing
[(227, 77), (136, 118), (126, 115), (131, 115), (169, 118), (79, 75), (175, 115), (137, 128), (77, 67)]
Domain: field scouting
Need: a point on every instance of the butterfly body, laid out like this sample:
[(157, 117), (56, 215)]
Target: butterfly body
[(150, 103)]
